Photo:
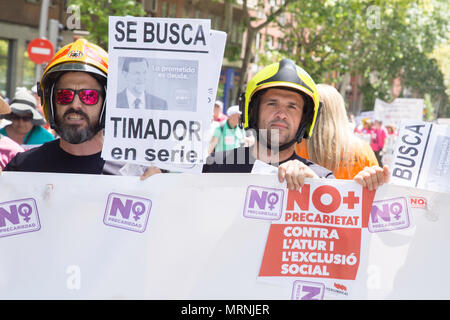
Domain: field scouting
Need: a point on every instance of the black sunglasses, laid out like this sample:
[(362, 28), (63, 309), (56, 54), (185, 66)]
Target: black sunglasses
[(15, 117)]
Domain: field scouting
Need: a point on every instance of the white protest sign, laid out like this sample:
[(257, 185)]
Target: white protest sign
[(162, 79), (388, 149), (400, 109), (217, 49), (422, 156), (316, 237), (185, 236)]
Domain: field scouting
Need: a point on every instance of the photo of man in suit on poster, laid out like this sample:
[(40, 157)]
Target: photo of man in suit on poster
[(134, 75)]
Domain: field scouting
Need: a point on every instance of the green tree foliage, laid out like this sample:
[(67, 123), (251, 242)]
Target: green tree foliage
[(320, 35), (95, 14), (441, 55), (429, 114), (253, 26), (378, 40)]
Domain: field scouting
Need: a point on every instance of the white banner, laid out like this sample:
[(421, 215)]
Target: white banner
[(400, 109), (162, 83), (185, 236)]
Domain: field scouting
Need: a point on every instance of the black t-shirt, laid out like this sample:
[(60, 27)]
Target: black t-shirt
[(51, 158), (240, 160)]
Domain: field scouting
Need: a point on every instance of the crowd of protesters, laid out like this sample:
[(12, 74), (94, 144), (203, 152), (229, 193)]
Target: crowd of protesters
[(289, 102)]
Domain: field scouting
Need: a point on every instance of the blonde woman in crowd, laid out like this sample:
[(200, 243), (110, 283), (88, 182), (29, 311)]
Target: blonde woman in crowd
[(332, 145)]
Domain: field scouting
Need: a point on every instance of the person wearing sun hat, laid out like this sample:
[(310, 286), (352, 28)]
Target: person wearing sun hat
[(34, 92), (26, 121), (8, 148), (229, 134)]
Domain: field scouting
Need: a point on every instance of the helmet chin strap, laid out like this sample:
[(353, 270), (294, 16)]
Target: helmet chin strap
[(101, 119), (287, 145), (298, 137), (52, 110)]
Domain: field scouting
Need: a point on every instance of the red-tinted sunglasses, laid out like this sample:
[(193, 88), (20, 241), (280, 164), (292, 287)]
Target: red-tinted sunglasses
[(87, 96)]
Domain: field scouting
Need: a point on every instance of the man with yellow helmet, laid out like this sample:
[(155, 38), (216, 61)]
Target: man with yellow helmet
[(280, 105), (73, 92)]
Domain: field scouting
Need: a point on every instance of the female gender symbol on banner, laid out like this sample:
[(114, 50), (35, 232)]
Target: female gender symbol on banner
[(25, 211), (138, 209), (272, 199), (396, 209)]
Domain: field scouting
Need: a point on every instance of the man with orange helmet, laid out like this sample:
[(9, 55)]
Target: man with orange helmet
[(281, 105), (73, 92)]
